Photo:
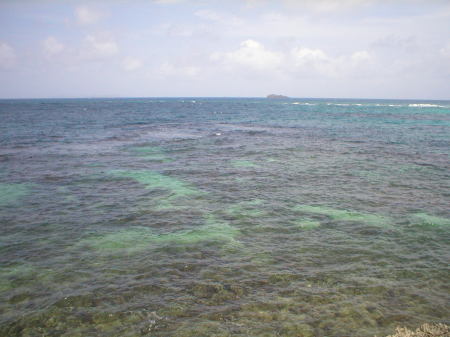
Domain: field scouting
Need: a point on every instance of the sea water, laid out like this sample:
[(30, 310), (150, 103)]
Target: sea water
[(223, 217)]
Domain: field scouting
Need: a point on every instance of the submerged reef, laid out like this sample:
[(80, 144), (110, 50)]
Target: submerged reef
[(10, 193), (141, 238), (173, 188), (155, 180), (13, 275), (426, 330), (325, 219), (242, 163), (344, 215), (150, 153), (306, 224), (426, 219), (247, 209)]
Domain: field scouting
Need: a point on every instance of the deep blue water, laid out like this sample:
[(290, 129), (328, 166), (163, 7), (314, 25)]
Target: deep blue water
[(223, 216)]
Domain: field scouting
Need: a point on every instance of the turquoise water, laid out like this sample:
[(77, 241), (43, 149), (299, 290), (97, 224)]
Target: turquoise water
[(223, 217)]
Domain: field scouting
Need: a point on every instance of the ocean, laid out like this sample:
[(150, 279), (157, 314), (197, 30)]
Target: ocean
[(223, 216)]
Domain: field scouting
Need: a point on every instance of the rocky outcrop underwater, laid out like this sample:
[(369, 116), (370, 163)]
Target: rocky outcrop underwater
[(426, 330)]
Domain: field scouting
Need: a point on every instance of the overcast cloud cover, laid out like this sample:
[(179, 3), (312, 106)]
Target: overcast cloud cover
[(303, 48)]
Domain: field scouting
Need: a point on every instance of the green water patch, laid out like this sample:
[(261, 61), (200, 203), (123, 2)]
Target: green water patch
[(132, 239), (154, 180), (11, 193), (151, 153), (141, 238), (411, 168), (344, 215), (212, 232), (146, 149), (95, 165), (26, 275), (393, 171), (430, 220), (243, 164), (241, 180), (66, 194), (213, 220), (14, 276), (164, 205), (247, 209), (306, 224), (232, 246)]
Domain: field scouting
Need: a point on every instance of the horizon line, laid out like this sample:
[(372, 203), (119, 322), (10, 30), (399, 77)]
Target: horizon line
[(242, 97)]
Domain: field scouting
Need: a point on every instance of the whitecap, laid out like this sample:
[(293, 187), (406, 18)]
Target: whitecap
[(301, 103), (425, 105)]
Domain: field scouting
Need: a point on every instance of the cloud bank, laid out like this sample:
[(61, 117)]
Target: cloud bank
[(320, 48)]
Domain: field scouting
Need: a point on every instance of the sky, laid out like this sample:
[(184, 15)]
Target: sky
[(394, 49)]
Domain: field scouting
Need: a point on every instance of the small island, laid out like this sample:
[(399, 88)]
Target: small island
[(274, 96)]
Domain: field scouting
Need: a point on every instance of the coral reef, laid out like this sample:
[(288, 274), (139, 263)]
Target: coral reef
[(306, 224), (150, 153), (426, 330), (247, 209), (344, 215), (10, 193), (173, 188), (432, 220), (140, 238)]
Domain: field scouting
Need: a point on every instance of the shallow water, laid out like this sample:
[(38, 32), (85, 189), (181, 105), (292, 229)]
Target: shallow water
[(223, 217)]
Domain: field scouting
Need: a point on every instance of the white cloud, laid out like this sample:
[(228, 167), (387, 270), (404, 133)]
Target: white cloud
[(131, 63), (251, 54), (208, 14), (360, 64), (306, 55), (167, 1), (87, 16), (288, 43), (99, 46), (313, 61), (405, 44), (329, 5), (316, 5), (174, 30), (52, 46), (361, 56), (295, 62), (167, 69), (218, 17), (445, 51), (7, 56)]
